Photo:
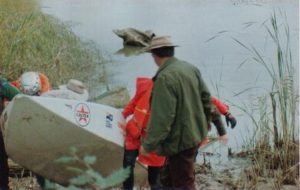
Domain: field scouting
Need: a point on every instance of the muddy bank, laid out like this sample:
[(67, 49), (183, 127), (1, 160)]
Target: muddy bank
[(206, 179)]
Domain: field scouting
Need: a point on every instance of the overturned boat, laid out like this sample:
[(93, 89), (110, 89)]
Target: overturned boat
[(39, 130)]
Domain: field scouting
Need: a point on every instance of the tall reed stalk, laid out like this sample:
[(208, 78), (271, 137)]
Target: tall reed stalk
[(277, 151)]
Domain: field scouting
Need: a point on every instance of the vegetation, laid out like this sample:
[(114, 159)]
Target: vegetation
[(87, 177), (33, 41), (276, 152)]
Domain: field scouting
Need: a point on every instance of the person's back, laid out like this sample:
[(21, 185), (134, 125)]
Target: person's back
[(182, 79)]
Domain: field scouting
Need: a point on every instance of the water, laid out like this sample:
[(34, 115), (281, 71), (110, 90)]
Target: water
[(191, 23)]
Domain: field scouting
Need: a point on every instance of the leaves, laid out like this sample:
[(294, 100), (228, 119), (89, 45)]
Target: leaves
[(80, 180), (65, 159), (75, 170), (87, 177), (88, 159), (115, 178)]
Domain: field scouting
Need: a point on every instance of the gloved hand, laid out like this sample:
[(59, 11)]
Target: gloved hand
[(230, 119)]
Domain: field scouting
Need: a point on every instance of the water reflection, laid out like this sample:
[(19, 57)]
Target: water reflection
[(129, 51), (204, 30)]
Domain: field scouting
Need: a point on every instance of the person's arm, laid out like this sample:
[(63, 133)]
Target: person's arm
[(217, 121), (15, 83), (162, 114), (224, 110), (129, 109), (221, 107)]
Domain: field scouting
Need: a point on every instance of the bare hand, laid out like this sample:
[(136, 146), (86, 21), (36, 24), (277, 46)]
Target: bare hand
[(204, 142), (224, 139), (122, 126)]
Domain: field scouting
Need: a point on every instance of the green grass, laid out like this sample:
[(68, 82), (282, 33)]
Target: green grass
[(33, 41)]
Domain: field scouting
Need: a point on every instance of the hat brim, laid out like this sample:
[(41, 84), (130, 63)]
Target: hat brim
[(149, 48), (65, 87)]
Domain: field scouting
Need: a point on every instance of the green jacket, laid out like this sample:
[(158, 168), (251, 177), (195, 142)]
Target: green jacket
[(7, 91), (180, 109)]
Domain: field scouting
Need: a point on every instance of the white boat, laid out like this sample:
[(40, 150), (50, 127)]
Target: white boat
[(39, 130)]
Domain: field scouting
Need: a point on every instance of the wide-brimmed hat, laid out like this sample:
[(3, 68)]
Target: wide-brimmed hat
[(76, 86), (159, 42)]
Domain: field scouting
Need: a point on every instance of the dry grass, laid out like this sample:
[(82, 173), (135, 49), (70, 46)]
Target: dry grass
[(30, 40), (276, 151)]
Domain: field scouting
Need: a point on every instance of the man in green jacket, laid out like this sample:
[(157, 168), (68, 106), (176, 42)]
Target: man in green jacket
[(7, 92), (179, 115)]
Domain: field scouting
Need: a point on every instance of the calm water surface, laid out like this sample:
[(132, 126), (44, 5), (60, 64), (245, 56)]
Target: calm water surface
[(191, 23)]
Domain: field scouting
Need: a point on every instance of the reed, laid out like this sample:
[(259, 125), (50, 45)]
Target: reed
[(277, 130), (33, 41)]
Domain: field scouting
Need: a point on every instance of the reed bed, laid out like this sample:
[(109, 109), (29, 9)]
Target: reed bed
[(276, 151)]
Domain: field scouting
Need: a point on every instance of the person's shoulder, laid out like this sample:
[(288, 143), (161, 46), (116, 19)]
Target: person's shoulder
[(184, 63), (179, 63), (167, 78), (4, 82), (188, 67), (2, 79), (181, 67)]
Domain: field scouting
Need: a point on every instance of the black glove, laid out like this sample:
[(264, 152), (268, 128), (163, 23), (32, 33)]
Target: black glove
[(230, 119)]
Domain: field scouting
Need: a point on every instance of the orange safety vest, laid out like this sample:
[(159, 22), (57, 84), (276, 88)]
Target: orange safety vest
[(139, 106)]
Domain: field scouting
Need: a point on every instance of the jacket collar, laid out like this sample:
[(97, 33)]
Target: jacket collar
[(164, 65)]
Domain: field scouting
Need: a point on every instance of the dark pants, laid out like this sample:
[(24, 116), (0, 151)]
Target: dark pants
[(153, 177), (153, 172), (178, 171), (3, 165), (40, 180)]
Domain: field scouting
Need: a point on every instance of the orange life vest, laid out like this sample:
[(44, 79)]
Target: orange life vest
[(139, 106)]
